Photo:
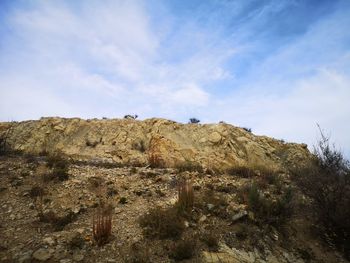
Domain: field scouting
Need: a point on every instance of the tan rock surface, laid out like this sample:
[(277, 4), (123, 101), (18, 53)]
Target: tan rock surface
[(119, 140)]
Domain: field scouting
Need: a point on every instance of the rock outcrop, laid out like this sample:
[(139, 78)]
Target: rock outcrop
[(135, 142)]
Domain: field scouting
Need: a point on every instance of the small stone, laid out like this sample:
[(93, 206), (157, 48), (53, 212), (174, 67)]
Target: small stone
[(49, 241), (25, 257), (76, 210), (202, 219), (210, 206), (187, 224), (42, 254), (239, 215), (78, 257), (215, 137)]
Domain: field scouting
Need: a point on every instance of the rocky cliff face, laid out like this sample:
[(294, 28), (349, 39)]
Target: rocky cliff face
[(132, 141)]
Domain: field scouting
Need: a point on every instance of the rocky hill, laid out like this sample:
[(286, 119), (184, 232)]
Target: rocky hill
[(129, 141), (157, 191)]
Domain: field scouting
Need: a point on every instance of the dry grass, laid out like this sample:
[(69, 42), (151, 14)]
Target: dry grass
[(155, 160), (185, 195), (102, 225), (162, 223)]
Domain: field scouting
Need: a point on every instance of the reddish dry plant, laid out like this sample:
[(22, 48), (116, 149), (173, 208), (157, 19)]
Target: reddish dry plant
[(155, 160), (102, 225), (185, 195)]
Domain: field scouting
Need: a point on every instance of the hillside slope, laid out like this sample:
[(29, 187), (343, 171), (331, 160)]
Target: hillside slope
[(129, 141)]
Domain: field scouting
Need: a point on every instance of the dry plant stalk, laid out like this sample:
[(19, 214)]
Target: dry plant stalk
[(155, 160), (102, 224), (185, 194)]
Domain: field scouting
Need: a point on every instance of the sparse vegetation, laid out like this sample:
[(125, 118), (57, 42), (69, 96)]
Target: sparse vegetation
[(132, 117), (267, 210), (59, 167), (241, 171), (162, 223), (184, 249), (189, 167), (102, 224), (139, 146), (155, 160), (37, 194), (211, 239), (326, 180), (138, 253), (194, 120), (185, 195), (247, 129), (58, 222)]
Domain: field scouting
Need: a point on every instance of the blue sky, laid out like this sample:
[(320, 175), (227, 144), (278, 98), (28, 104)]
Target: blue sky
[(276, 66)]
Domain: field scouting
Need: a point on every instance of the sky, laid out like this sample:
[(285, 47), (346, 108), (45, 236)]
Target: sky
[(278, 67)]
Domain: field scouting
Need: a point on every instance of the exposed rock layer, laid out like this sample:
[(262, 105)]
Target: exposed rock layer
[(132, 141)]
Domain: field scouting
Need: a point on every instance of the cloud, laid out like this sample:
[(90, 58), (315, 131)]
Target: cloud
[(275, 66)]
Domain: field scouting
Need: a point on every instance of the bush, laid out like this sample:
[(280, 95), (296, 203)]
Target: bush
[(326, 180), (138, 253), (139, 146), (155, 160), (241, 171), (102, 225), (162, 223), (247, 129), (189, 167), (5, 147), (211, 239), (37, 194), (185, 196), (58, 222), (194, 120), (184, 249), (132, 117), (213, 203), (267, 210), (59, 167)]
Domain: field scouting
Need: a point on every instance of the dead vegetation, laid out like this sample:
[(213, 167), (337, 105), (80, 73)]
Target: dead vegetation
[(102, 224)]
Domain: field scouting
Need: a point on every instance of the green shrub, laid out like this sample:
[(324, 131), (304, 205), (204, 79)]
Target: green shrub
[(162, 223)]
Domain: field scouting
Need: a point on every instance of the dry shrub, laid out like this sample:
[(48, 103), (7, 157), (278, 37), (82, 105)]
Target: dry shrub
[(58, 222), (37, 194), (59, 167), (254, 169), (5, 147), (138, 253), (241, 171), (326, 180), (139, 146), (185, 195), (102, 224), (189, 167), (155, 160), (268, 210), (211, 239), (213, 203), (184, 249), (162, 223)]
